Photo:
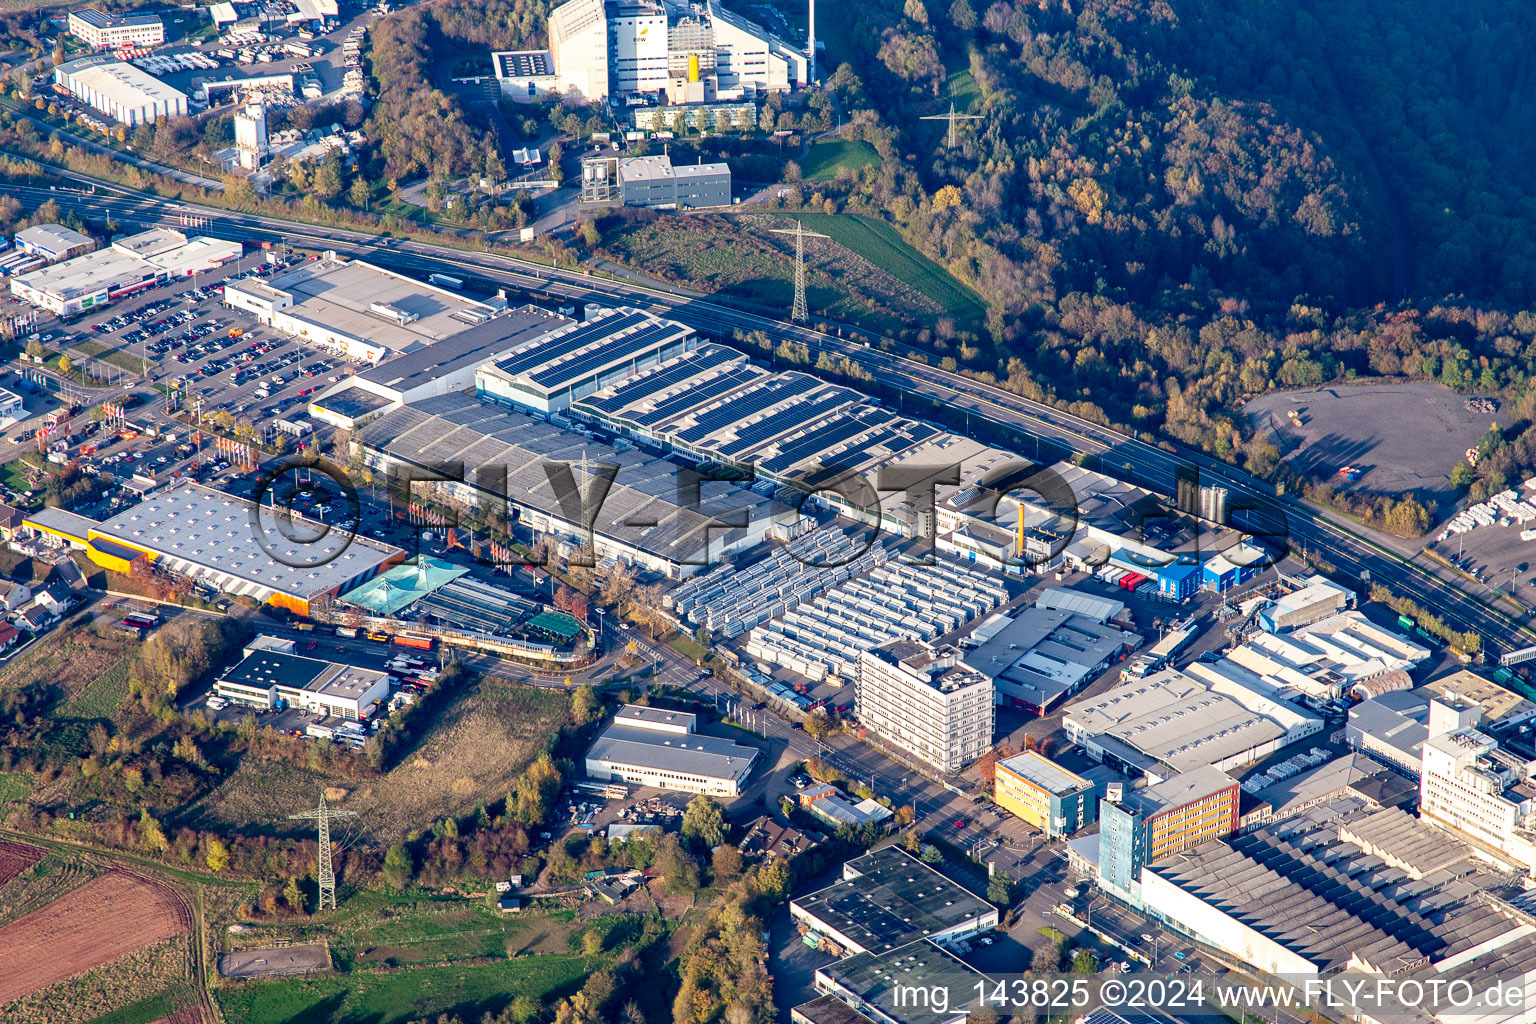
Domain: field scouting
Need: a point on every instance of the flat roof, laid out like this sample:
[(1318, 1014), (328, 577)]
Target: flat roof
[(129, 259), (607, 338), (660, 167), (120, 81), (880, 980), (1044, 653), (692, 754), (895, 899), (522, 63), (472, 345), (265, 669), (643, 716), (641, 508), (1184, 788), (338, 295), (85, 275), (71, 524), (1498, 703), (1290, 795), (827, 1010), (1032, 766), (351, 401), (1401, 725), (54, 238), (101, 19), (212, 531), (1186, 722)]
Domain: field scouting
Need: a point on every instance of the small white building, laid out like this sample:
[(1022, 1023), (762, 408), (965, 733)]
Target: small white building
[(103, 31), (647, 747), (271, 673), (53, 242)]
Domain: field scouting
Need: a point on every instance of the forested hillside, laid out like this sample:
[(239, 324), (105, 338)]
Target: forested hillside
[(1173, 204)]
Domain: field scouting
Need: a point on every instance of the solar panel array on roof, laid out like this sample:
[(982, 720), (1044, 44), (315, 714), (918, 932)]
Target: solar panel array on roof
[(545, 352), (739, 407), (641, 509), (656, 381), (560, 374), (793, 413)]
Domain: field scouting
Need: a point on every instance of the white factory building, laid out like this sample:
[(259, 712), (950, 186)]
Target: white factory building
[(53, 242), (1177, 721), (272, 672), (129, 265), (119, 90), (546, 374), (103, 31), (1472, 786), (437, 369), (599, 49), (648, 746), (1328, 658), (921, 699), (363, 311), (654, 181)]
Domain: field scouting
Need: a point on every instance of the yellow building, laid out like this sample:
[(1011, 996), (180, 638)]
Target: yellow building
[(1033, 787)]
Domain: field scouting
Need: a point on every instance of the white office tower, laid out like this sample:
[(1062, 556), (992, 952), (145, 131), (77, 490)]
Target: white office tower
[(627, 47), (251, 135), (637, 56), (921, 699), (1469, 784), (578, 48)]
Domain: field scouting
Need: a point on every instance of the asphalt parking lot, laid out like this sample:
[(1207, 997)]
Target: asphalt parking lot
[(192, 346)]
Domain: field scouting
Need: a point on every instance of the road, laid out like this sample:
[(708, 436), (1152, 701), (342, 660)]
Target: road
[(1036, 429)]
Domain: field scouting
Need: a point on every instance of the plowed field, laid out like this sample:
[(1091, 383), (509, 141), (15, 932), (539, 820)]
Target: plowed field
[(16, 858), (98, 922)]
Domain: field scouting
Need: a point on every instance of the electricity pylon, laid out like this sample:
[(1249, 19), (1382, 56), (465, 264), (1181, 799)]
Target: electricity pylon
[(951, 117), (799, 314), (324, 815)]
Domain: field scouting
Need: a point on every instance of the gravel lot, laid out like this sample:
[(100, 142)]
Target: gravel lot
[(1404, 437)]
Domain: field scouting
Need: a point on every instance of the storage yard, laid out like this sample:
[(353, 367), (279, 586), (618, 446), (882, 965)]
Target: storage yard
[(1402, 437)]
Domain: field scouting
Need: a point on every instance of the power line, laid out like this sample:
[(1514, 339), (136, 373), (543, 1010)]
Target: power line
[(325, 815), (798, 313), (952, 118)]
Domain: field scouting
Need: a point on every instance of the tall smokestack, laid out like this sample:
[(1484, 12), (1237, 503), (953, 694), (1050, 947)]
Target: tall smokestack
[(810, 72)]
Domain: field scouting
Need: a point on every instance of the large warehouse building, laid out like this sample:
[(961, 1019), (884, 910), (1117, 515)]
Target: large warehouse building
[(364, 311), (440, 368), (546, 374), (511, 456), (129, 265), (599, 48), (119, 90), (651, 747), (1174, 722), (206, 535)]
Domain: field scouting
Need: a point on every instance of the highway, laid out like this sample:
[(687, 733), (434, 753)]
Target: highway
[(1031, 424)]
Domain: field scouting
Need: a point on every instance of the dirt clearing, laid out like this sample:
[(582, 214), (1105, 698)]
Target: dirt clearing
[(269, 963)]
